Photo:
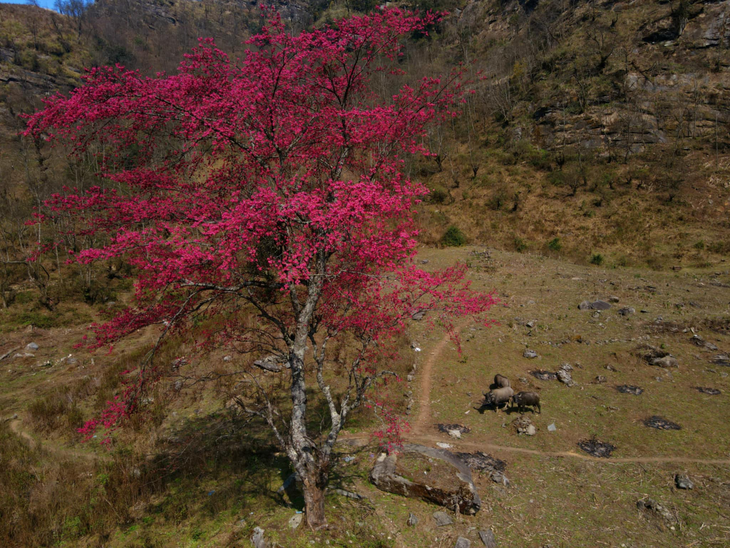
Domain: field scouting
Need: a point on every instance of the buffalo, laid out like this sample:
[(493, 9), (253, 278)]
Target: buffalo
[(498, 396), (500, 381), (526, 399)]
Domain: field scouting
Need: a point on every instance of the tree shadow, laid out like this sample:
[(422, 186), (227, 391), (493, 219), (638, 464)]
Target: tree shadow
[(238, 457), (232, 457)]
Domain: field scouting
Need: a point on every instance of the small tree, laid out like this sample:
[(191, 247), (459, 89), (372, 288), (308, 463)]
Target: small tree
[(269, 193)]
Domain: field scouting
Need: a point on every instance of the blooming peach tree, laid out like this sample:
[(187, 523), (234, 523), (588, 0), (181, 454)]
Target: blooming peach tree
[(267, 191)]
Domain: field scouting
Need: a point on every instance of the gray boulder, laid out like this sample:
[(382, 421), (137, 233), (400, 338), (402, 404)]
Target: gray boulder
[(433, 475), (462, 542), (257, 539), (595, 305), (442, 519), (487, 537), (683, 482), (665, 362)]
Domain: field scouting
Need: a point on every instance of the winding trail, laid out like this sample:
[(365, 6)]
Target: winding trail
[(14, 425), (425, 379), (421, 435)]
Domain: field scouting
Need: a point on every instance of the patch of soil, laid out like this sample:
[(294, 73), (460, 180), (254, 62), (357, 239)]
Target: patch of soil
[(597, 448), (718, 325), (482, 462), (660, 423), (630, 389), (710, 391), (648, 352), (544, 375), (445, 428)]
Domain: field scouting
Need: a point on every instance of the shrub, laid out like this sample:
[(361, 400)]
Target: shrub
[(555, 244), (453, 237), (498, 200), (597, 259), (438, 195), (520, 244)]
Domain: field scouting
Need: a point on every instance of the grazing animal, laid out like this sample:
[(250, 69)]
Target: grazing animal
[(498, 396), (527, 399), (500, 381)]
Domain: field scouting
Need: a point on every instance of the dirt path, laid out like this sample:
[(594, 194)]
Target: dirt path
[(425, 381), (15, 426)]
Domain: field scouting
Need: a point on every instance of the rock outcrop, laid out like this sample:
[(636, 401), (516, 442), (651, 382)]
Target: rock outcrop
[(434, 475)]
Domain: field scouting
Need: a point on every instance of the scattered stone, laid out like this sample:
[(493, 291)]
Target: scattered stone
[(610, 367), (31, 347), (702, 343), (523, 380), (708, 391), (661, 423), (654, 507), (665, 362), (412, 520), (273, 364), (295, 521), (453, 430), (600, 379), (565, 377), (348, 494), (442, 519), (552, 427), (722, 359), (482, 462), (595, 305), (462, 542), (627, 311), (487, 538), (658, 357), (530, 354), (630, 389), (613, 299), (597, 448), (523, 425), (499, 477), (447, 483), (257, 539), (444, 445), (683, 482), (596, 314), (418, 315), (531, 324), (544, 375), (287, 482)]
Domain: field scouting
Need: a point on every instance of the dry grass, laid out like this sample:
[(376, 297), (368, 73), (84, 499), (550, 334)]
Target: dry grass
[(192, 468)]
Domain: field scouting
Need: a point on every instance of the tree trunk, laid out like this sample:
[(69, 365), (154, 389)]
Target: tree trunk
[(313, 487)]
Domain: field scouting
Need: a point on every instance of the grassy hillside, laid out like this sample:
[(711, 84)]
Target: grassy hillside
[(592, 158), (190, 472)]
